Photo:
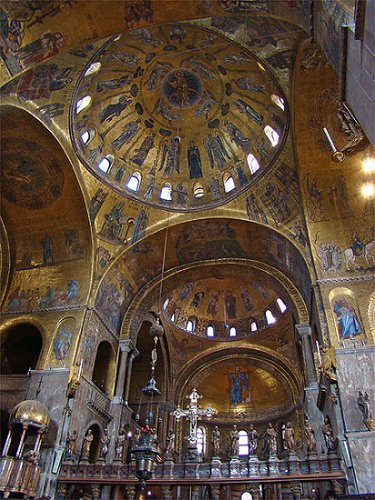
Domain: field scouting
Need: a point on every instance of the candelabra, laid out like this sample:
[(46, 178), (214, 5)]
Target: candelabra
[(145, 451)]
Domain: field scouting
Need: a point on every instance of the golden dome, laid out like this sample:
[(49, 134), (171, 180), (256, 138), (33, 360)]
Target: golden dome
[(32, 412), (167, 126)]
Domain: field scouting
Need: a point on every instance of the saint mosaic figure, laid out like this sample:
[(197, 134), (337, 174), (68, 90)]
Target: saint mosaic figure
[(216, 151), (238, 137), (171, 157), (194, 161), (239, 386), (244, 107), (143, 150), (347, 321), (130, 130)]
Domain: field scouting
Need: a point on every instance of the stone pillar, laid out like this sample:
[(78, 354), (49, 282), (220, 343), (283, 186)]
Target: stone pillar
[(304, 331), (116, 490), (125, 347), (254, 491), (296, 490), (133, 354), (95, 491), (7, 443), (131, 492), (62, 491), (167, 492), (38, 441), (195, 492), (22, 441), (215, 492), (106, 492)]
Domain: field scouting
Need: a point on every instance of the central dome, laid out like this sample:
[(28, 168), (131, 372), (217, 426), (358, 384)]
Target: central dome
[(177, 116)]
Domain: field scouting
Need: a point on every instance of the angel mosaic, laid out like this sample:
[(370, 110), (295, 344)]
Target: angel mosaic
[(216, 150), (171, 156)]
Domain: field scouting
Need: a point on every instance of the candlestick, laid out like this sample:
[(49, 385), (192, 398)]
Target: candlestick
[(331, 143), (80, 369), (318, 351)]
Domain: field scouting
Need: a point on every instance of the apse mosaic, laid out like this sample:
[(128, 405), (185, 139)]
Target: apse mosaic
[(177, 116), (243, 388)]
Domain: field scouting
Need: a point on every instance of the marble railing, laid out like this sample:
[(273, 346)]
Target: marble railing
[(18, 476), (314, 468)]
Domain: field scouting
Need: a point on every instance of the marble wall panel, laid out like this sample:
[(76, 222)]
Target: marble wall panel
[(355, 372)]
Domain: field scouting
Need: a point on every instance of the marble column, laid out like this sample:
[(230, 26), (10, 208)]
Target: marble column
[(195, 492), (125, 347), (95, 492), (7, 443), (296, 490), (38, 441), (62, 491), (133, 354), (167, 492), (131, 492), (22, 441), (215, 492), (254, 491), (106, 492), (304, 331)]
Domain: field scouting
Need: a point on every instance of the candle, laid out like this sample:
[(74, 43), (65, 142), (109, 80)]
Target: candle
[(80, 369), (318, 351), (331, 143)]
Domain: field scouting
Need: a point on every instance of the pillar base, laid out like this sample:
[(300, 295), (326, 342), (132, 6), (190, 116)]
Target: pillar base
[(235, 467), (216, 467), (253, 465)]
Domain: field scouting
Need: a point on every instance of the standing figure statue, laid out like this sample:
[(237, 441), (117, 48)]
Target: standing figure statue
[(310, 437), (71, 444), (328, 436), (120, 442), (234, 441), (271, 439), (253, 440), (363, 404), (216, 441), (105, 440), (170, 445), (289, 442), (86, 445), (193, 396)]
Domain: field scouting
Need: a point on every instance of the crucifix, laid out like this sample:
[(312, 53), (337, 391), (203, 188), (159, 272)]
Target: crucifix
[(193, 413)]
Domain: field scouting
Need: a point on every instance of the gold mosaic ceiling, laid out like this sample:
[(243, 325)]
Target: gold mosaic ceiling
[(225, 298), (179, 107)]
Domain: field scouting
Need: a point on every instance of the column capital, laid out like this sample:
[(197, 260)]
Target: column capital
[(303, 329), (126, 345), (134, 353)]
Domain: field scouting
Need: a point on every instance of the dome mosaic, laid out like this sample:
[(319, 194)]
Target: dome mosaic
[(177, 116), (227, 305)]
